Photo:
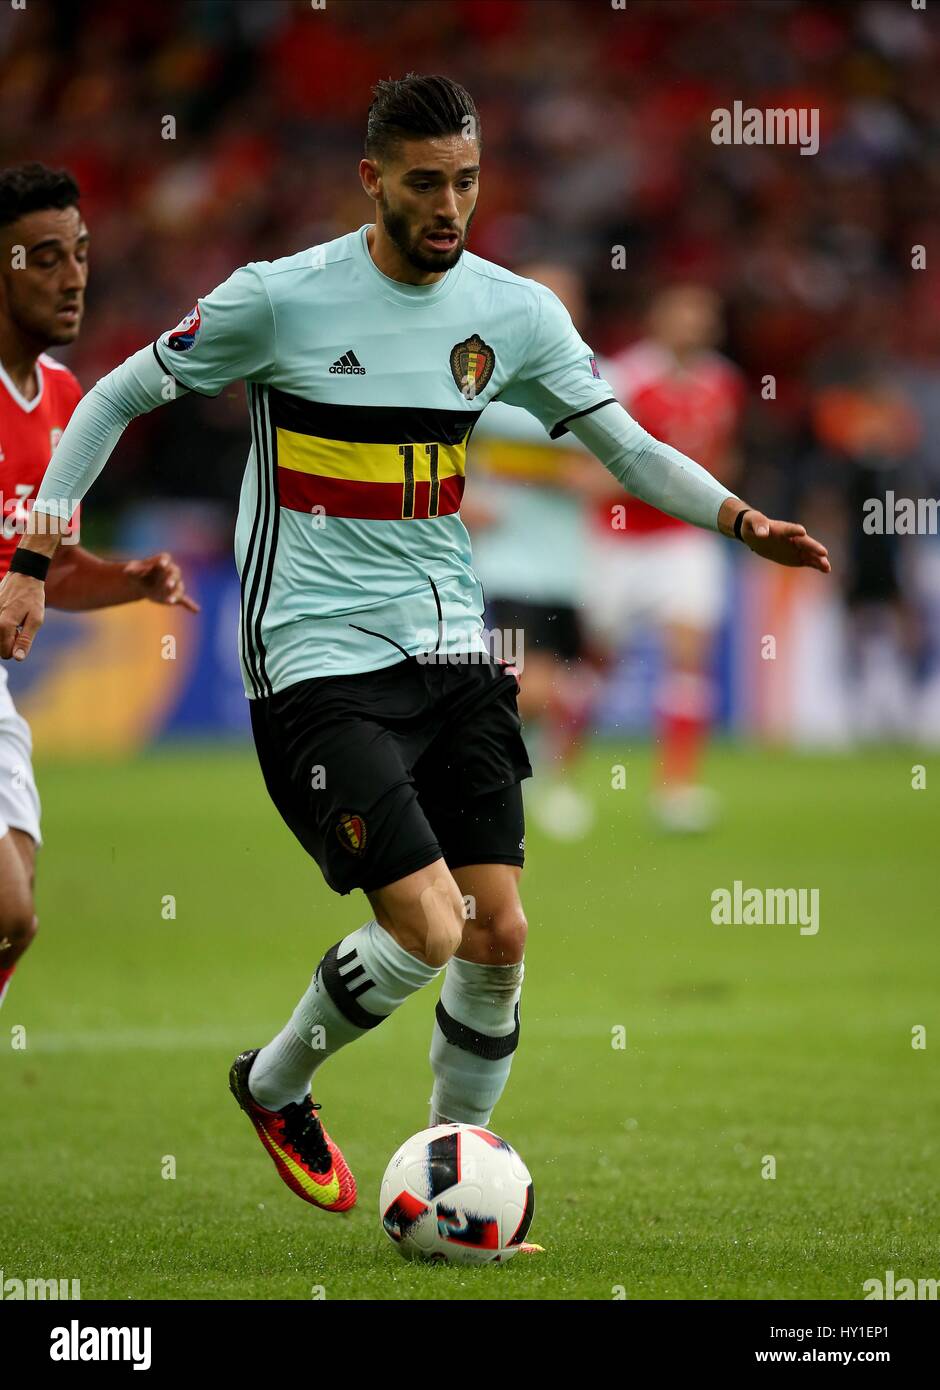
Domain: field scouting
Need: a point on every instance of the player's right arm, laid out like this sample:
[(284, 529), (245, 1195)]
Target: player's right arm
[(228, 337)]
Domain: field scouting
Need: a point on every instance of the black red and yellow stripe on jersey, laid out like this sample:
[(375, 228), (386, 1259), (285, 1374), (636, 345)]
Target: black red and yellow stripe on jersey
[(380, 463)]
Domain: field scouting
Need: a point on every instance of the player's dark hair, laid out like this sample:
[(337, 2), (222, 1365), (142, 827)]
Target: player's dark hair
[(34, 188), (413, 107)]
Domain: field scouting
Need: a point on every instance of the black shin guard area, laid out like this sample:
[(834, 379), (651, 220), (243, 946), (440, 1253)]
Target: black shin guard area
[(344, 979), (491, 1049)]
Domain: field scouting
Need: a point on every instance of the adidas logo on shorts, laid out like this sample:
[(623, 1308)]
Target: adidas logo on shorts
[(348, 365)]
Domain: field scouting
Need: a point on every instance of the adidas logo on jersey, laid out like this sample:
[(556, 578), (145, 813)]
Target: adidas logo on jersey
[(347, 365)]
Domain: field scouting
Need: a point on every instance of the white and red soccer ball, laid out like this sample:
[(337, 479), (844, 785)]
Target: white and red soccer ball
[(458, 1194)]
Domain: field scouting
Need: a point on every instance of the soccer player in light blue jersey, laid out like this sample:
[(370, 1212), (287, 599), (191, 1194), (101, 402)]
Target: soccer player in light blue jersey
[(389, 741)]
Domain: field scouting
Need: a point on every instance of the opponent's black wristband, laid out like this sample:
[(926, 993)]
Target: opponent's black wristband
[(739, 521), (30, 562)]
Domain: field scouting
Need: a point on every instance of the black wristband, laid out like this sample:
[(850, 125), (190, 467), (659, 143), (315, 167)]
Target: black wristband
[(739, 521), (30, 562)]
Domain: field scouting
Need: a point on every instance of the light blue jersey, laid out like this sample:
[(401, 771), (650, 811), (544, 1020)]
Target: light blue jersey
[(363, 393)]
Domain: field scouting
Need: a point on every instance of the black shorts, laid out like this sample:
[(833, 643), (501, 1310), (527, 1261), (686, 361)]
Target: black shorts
[(545, 627), (380, 774)]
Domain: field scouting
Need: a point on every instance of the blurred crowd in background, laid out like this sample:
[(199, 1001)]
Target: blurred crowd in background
[(597, 136)]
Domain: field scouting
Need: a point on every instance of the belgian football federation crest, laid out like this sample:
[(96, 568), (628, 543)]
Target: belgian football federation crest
[(351, 832), (471, 365), (185, 333)]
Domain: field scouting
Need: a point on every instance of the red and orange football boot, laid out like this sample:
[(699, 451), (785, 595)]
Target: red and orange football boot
[(304, 1154)]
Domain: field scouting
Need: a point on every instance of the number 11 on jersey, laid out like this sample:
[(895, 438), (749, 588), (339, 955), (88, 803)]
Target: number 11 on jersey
[(407, 452)]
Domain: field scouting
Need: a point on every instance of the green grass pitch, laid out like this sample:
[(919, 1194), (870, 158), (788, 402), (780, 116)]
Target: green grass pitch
[(742, 1042)]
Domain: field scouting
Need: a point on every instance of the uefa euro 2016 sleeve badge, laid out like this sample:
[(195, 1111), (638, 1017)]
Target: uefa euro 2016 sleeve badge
[(182, 337), (471, 365)]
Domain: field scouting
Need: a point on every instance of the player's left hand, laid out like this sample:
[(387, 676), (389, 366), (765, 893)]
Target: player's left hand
[(784, 542), (159, 579)]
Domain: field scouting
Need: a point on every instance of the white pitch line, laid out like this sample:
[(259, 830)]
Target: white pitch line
[(643, 1033), (136, 1039), (208, 1038)]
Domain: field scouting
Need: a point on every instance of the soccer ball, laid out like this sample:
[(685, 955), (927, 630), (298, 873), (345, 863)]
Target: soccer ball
[(457, 1194)]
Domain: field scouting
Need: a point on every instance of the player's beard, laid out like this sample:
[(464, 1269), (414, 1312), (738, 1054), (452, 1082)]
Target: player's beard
[(64, 338), (398, 229)]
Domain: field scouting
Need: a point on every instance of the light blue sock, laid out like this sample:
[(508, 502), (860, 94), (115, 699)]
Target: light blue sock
[(476, 1032), (359, 981)]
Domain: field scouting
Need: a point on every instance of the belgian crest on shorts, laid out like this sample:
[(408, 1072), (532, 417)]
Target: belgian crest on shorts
[(351, 832), (471, 365)]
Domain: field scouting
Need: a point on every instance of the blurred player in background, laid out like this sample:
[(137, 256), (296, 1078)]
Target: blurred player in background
[(529, 524), (647, 566), (43, 273)]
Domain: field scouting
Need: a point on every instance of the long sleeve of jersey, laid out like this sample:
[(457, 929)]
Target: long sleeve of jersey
[(655, 472), (229, 336), (98, 421), (560, 385)]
